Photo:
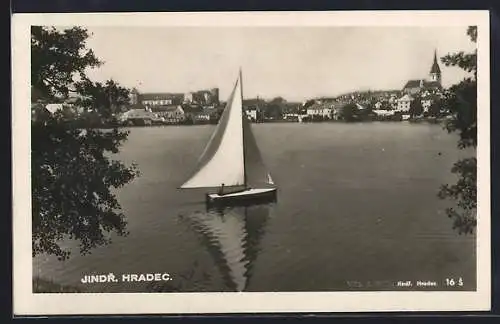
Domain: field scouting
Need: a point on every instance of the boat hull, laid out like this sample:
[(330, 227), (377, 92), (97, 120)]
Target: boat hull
[(244, 197)]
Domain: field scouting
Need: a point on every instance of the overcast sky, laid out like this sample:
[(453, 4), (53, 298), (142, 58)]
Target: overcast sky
[(295, 63)]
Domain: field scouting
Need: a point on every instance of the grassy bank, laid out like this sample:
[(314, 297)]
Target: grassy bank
[(48, 286), (41, 285)]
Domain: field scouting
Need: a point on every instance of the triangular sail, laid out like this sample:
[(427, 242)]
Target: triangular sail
[(222, 162), (231, 157), (255, 169)]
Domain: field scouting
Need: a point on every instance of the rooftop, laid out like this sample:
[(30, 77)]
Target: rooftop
[(193, 109), (164, 108), (425, 84), (160, 96)]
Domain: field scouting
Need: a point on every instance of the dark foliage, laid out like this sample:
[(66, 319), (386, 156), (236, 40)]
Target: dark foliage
[(350, 113), (274, 109), (464, 192), (416, 108), (72, 174), (106, 99), (461, 104), (57, 58), (435, 109)]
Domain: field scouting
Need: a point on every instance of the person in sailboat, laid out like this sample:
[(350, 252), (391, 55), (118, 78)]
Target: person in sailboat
[(221, 190)]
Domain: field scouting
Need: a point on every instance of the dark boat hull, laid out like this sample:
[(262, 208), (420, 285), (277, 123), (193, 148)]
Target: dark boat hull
[(243, 198)]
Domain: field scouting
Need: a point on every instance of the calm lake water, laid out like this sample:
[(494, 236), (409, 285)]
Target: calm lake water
[(357, 209)]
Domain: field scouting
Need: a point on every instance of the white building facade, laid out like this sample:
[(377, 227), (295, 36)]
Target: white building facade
[(403, 103)]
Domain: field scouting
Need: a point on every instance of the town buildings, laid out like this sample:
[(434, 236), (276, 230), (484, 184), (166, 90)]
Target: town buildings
[(136, 113), (427, 91), (175, 108), (172, 114), (251, 113), (254, 108), (403, 103), (201, 97), (432, 84), (160, 99), (204, 105), (323, 110)]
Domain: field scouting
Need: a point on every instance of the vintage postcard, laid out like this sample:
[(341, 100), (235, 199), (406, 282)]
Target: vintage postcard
[(251, 162)]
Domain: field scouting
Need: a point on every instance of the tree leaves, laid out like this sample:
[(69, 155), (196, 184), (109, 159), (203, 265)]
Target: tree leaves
[(416, 108), (472, 33), (349, 112), (435, 108), (465, 61), (106, 99), (460, 103), (56, 57), (464, 192), (73, 176)]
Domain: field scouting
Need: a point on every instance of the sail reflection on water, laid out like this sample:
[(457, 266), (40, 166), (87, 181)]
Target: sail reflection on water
[(232, 236)]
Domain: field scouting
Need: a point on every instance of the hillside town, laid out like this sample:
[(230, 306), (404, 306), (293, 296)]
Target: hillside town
[(418, 99)]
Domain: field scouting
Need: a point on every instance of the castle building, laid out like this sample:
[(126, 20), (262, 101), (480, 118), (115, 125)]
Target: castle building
[(433, 84), (202, 97)]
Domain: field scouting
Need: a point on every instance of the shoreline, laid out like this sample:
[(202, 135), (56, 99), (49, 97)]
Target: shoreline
[(331, 121), (40, 285)]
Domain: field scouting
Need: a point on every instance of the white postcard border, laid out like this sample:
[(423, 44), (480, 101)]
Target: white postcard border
[(27, 303)]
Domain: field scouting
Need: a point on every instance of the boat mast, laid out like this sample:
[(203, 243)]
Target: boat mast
[(243, 115)]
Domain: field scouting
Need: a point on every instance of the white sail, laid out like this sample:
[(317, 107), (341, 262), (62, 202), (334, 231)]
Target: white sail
[(222, 162), (232, 156)]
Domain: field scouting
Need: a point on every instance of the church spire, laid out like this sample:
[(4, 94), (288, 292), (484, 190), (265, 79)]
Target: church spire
[(435, 73), (435, 66)]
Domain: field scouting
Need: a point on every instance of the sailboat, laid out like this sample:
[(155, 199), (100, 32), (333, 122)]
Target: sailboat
[(232, 161)]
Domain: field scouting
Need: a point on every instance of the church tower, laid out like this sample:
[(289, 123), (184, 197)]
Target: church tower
[(435, 74), (134, 96)]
